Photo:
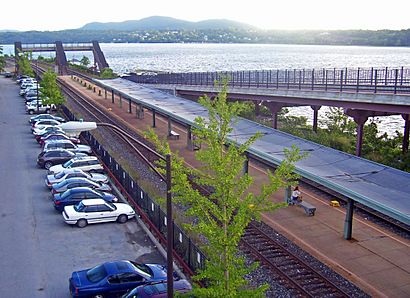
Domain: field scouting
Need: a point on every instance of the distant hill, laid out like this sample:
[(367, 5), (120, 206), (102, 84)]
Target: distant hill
[(166, 23)]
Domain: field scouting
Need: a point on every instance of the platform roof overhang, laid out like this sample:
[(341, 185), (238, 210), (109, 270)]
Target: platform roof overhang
[(380, 187)]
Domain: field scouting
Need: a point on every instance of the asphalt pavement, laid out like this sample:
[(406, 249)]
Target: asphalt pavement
[(38, 251)]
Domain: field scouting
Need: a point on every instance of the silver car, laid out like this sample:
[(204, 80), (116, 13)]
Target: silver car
[(72, 173), (79, 182)]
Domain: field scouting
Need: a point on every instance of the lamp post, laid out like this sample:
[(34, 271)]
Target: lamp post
[(170, 232)]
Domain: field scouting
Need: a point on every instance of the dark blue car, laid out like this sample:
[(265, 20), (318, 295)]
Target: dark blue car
[(112, 279), (76, 195), (158, 289)]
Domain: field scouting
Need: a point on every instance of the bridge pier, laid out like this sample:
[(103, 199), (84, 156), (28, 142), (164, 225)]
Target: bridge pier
[(274, 108), (257, 104), (315, 116), (360, 117), (405, 144)]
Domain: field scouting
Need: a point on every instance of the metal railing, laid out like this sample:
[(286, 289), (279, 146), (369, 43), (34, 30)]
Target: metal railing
[(182, 244), (367, 80)]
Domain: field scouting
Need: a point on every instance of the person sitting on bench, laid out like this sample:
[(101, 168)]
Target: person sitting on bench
[(296, 197)]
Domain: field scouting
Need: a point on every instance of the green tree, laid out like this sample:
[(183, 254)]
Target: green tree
[(2, 60), (107, 73), (50, 91), (24, 65), (85, 61), (223, 216)]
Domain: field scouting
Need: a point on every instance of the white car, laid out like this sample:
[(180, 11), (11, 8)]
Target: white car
[(43, 123), (96, 211), (86, 163), (66, 144)]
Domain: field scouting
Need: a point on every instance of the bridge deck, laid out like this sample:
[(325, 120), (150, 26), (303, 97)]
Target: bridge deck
[(380, 187), (381, 102)]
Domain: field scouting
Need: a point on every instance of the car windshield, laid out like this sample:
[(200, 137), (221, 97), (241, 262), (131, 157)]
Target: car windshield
[(59, 175), (96, 274), (79, 207), (66, 194), (144, 268), (60, 184), (68, 164)]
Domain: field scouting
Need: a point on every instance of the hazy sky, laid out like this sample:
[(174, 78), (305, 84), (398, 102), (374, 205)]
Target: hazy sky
[(266, 14)]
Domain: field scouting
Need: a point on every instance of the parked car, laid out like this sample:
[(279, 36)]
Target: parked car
[(47, 159), (87, 164), (38, 107), (71, 173), (66, 144), (43, 123), (46, 131), (97, 211), (79, 182), (76, 195), (45, 116), (58, 136), (20, 78), (158, 289), (114, 278)]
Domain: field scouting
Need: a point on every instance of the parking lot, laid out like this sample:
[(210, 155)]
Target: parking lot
[(38, 249)]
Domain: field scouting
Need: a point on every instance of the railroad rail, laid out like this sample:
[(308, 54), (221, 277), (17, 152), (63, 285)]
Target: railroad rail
[(297, 273)]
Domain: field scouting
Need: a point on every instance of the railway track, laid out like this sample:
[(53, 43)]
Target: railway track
[(300, 277), (295, 273)]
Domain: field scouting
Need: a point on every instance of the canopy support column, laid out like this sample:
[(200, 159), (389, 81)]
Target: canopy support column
[(153, 119), (349, 220), (129, 106), (112, 96)]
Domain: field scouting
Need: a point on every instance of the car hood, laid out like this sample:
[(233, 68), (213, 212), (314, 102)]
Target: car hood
[(51, 179), (56, 169), (99, 177), (84, 147), (124, 208)]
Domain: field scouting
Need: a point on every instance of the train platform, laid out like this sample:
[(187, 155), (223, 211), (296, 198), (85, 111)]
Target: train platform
[(375, 259)]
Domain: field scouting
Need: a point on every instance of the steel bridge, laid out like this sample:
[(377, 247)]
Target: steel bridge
[(59, 48), (362, 92)]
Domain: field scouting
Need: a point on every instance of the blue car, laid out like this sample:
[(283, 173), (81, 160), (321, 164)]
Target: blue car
[(158, 289), (76, 195), (113, 279)]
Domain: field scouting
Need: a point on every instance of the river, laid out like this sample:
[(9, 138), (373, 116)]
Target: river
[(124, 58)]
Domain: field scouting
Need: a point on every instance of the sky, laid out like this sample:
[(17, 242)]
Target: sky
[(50, 15)]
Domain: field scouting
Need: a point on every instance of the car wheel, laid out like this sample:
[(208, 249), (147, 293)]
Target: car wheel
[(81, 223), (48, 165), (122, 218), (98, 296), (47, 111), (31, 112)]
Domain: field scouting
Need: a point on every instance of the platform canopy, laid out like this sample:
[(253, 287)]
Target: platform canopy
[(380, 187)]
